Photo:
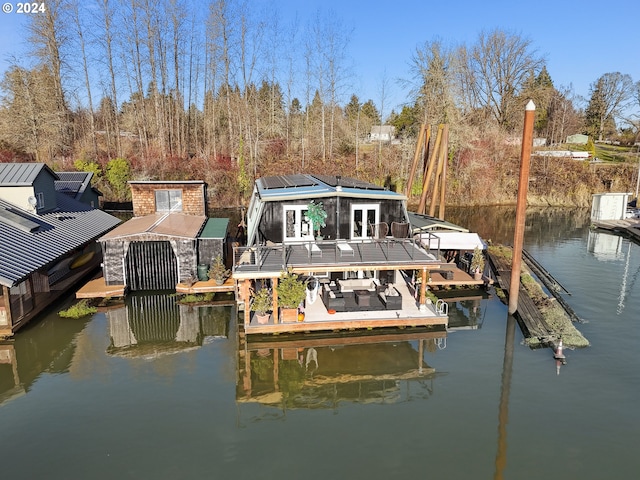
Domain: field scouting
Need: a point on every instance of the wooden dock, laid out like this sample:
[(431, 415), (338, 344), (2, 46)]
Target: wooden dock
[(97, 288), (631, 227)]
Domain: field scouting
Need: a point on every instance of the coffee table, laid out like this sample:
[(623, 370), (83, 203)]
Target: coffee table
[(362, 297)]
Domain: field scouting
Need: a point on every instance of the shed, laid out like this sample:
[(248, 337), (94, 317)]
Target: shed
[(609, 206), (211, 241)]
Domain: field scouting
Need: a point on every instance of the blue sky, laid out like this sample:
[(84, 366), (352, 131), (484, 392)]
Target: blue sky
[(580, 40)]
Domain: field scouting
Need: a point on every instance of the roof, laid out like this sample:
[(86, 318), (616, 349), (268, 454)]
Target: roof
[(421, 223), (22, 174), (165, 225), (215, 228), (74, 184), (304, 186), (29, 241), (454, 241)]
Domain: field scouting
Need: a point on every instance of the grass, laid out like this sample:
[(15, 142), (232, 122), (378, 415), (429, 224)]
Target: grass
[(79, 310)]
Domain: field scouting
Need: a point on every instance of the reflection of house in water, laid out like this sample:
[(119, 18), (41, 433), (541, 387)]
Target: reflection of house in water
[(50, 348), (322, 372), (154, 324), (605, 246)]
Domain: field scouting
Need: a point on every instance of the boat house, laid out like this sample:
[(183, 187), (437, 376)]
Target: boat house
[(168, 237), (47, 242), (359, 259)]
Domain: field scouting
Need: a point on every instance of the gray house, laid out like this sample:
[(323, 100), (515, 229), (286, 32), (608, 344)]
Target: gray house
[(47, 242)]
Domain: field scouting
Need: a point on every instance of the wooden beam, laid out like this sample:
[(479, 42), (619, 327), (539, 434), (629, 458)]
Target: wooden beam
[(423, 287), (274, 291), (427, 176), (443, 185), (416, 159)]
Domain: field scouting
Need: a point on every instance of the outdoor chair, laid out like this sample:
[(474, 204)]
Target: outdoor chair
[(379, 231), (400, 230)]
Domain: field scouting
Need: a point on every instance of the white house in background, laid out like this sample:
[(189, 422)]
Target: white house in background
[(578, 139), (384, 133)]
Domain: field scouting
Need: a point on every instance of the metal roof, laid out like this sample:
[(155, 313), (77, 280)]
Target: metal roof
[(215, 228), (303, 186), (165, 225), (22, 174), (422, 223), (71, 226)]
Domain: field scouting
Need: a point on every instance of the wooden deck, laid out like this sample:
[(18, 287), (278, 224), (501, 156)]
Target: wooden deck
[(317, 318), (626, 227), (460, 277), (97, 288), (208, 286)]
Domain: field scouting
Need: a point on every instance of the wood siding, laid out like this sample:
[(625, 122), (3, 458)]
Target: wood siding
[(144, 199)]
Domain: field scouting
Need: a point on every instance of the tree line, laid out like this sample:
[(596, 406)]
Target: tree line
[(225, 92)]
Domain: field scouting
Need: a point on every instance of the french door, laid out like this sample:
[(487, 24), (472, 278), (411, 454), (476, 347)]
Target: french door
[(363, 215)]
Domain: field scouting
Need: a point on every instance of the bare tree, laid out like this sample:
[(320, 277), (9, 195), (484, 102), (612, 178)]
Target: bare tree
[(610, 95), (494, 72)]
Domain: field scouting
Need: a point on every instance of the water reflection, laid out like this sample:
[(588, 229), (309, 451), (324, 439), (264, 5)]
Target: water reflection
[(44, 347), (309, 372), (149, 325), (605, 246)]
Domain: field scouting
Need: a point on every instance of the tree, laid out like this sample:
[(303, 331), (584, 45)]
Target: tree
[(118, 173), (610, 95), (494, 71)]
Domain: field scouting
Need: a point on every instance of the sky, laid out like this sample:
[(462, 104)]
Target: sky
[(579, 40)]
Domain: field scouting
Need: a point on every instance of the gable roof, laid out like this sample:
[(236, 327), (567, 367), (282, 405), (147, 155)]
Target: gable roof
[(22, 174), (44, 238)]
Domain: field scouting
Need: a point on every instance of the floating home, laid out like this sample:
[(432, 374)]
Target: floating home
[(47, 241), (167, 239), (362, 264)]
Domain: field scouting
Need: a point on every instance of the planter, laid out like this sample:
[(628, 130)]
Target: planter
[(477, 275), (203, 272), (263, 319), (288, 315)]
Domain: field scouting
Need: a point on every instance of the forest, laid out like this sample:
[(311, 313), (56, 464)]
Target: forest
[(225, 93)]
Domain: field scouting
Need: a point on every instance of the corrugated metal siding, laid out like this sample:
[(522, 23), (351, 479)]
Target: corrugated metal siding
[(70, 227)]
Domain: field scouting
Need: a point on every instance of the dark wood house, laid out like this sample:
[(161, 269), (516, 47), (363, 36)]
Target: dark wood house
[(371, 270)]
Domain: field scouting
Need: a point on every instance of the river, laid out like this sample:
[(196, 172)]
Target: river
[(156, 390)]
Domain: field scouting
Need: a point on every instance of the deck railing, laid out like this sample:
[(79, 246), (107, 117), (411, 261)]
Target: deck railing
[(340, 251)]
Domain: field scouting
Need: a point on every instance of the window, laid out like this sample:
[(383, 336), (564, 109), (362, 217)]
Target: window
[(295, 226), (168, 200), (40, 196)]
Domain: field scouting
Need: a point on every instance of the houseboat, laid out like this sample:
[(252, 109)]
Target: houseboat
[(350, 242), (47, 239)]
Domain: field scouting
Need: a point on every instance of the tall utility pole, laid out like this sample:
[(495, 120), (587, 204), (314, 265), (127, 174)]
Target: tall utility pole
[(521, 207)]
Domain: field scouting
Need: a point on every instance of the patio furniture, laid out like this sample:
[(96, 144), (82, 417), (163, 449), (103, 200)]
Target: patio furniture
[(345, 249), (362, 297), (332, 299), (313, 249), (379, 231), (391, 298), (400, 230)]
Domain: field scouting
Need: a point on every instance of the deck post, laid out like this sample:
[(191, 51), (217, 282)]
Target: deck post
[(521, 207), (423, 290), (275, 300), (245, 295)]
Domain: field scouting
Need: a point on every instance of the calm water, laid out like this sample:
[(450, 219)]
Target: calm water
[(153, 390)]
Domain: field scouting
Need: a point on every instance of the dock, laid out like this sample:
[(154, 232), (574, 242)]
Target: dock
[(529, 314), (630, 228)]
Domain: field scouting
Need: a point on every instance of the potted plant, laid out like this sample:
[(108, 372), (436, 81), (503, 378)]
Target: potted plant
[(317, 215), (262, 305), (291, 292), (477, 263), (218, 271)]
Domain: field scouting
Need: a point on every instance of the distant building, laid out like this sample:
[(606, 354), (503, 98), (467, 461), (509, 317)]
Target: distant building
[(578, 139), (384, 133), (539, 142)]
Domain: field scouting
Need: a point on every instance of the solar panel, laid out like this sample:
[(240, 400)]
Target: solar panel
[(287, 181), (18, 221), (348, 182)]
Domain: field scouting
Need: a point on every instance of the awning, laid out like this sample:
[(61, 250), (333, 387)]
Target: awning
[(452, 241)]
